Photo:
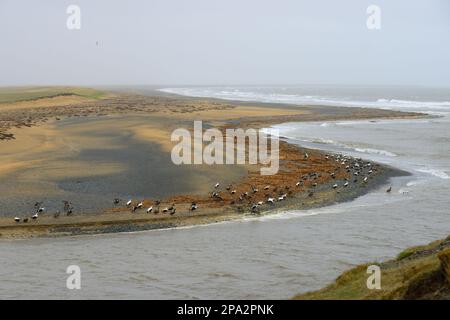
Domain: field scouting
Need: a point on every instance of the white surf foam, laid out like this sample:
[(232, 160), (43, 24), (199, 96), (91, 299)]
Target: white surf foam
[(435, 172), (376, 151), (230, 93)]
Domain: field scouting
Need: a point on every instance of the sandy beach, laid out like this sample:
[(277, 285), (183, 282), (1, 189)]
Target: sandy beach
[(92, 149)]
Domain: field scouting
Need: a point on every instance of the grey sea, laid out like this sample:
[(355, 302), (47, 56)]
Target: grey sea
[(274, 256)]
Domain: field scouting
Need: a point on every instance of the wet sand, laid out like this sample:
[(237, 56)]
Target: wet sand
[(93, 151)]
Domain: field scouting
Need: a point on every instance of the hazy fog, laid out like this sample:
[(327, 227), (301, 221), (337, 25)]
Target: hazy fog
[(225, 42)]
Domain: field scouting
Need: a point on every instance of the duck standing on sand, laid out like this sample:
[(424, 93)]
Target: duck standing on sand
[(68, 208), (138, 206)]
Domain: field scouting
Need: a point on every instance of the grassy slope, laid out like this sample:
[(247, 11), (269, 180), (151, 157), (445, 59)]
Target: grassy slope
[(14, 94), (417, 273)]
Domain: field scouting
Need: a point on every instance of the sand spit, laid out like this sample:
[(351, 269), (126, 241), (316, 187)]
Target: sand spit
[(308, 181)]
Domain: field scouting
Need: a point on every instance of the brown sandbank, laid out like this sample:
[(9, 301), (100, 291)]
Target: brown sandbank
[(161, 115)]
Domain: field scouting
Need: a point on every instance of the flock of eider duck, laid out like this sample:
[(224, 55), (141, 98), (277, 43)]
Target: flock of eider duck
[(40, 210), (358, 171)]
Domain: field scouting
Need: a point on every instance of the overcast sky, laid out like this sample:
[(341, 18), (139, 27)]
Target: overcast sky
[(210, 42)]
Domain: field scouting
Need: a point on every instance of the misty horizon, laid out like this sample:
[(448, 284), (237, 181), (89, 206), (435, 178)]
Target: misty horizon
[(204, 43)]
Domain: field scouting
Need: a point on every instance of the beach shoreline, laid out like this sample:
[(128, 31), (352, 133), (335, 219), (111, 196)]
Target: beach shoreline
[(173, 111)]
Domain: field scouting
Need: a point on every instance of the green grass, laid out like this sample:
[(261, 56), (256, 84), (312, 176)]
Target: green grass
[(417, 277), (14, 94)]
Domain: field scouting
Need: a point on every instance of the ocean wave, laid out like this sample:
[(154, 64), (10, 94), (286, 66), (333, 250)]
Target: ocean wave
[(418, 104), (435, 172), (365, 150), (230, 93), (375, 151)]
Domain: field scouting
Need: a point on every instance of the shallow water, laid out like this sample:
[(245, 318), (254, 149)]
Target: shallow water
[(269, 257)]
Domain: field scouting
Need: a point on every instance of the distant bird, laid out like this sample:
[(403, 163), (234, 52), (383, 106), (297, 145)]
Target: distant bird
[(37, 205), (346, 184), (193, 206), (271, 200), (17, 219), (140, 205), (68, 209), (129, 203), (254, 190), (149, 210), (229, 187), (365, 179), (40, 210), (172, 212), (266, 187), (260, 203), (297, 184), (34, 217), (165, 210), (335, 186), (233, 191), (216, 196), (389, 189), (116, 201), (306, 156), (216, 185)]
